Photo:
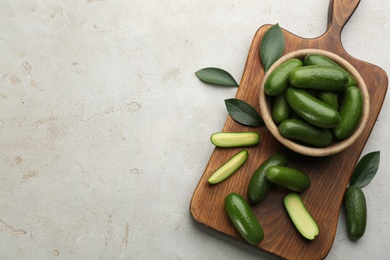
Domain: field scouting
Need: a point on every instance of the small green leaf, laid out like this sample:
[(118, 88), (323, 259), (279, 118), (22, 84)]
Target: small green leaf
[(365, 170), (272, 46), (216, 76), (243, 113)]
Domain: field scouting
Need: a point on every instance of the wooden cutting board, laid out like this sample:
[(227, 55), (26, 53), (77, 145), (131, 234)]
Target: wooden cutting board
[(330, 175)]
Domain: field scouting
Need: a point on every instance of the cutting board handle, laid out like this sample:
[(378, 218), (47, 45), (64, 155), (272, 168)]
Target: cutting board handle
[(338, 15)]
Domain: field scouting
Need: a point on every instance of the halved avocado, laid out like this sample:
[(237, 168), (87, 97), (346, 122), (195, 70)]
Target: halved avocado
[(299, 215), (235, 139), (232, 165)]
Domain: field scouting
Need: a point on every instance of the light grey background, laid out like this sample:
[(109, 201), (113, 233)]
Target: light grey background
[(104, 128)]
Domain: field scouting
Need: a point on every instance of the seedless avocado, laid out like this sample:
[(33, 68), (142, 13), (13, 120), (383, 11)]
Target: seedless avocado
[(319, 77), (228, 139), (300, 216), (243, 219), (318, 59), (350, 113), (330, 98), (299, 130), (280, 109), (356, 212), (288, 177), (231, 166), (278, 79), (311, 109), (258, 186)]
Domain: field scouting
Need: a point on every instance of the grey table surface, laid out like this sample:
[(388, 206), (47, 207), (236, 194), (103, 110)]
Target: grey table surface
[(104, 128)]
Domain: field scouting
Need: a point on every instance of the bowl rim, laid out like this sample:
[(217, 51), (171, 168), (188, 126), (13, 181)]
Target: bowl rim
[(335, 147)]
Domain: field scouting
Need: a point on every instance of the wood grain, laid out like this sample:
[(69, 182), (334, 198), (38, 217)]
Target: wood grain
[(330, 175)]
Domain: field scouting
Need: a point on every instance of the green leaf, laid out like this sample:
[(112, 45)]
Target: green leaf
[(216, 76), (243, 113), (272, 46), (365, 170)]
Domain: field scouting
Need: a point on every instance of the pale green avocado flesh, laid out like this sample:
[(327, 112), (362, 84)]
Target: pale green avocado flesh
[(231, 166), (229, 139), (299, 215)]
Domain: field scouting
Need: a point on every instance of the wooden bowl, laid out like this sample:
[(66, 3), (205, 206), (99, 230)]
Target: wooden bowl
[(336, 146)]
